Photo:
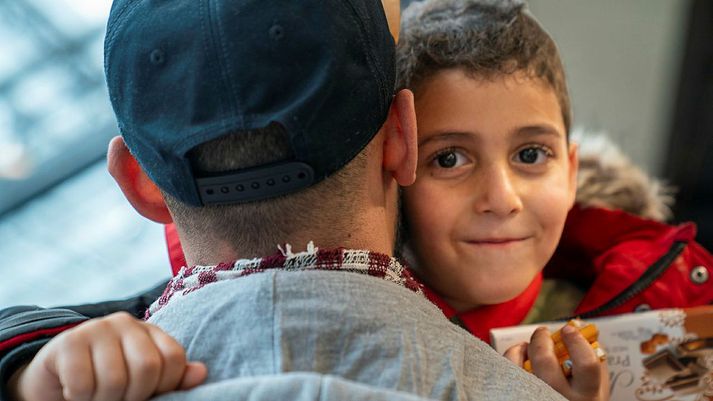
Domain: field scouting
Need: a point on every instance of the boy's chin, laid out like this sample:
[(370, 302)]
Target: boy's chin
[(496, 293), (484, 297)]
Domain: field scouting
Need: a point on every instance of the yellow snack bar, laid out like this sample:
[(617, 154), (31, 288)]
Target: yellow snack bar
[(588, 331)]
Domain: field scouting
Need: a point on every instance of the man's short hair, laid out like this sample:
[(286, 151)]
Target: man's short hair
[(485, 38), (250, 225)]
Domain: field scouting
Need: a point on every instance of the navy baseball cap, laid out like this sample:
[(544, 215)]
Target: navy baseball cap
[(184, 72)]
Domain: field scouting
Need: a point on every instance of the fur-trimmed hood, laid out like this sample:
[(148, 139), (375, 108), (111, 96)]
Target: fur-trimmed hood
[(608, 179)]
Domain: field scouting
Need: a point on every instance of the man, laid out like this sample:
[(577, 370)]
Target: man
[(252, 123)]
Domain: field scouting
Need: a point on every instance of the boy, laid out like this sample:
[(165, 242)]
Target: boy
[(496, 173), (250, 123), (497, 176)]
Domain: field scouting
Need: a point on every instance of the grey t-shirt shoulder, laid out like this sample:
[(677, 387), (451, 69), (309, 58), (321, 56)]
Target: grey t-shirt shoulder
[(295, 386), (356, 327)]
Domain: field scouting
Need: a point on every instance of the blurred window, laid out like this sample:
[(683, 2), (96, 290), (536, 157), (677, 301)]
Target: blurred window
[(55, 117), (67, 235)]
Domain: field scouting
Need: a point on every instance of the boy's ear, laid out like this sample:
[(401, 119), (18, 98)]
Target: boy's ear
[(137, 187), (400, 143), (392, 9), (573, 156)]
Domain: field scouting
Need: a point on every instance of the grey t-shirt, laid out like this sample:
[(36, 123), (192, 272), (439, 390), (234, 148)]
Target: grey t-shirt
[(346, 329)]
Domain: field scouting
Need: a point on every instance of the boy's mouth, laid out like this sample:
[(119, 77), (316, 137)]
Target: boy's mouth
[(496, 241)]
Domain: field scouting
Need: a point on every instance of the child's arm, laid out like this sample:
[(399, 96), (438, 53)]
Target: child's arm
[(589, 376), (24, 330), (117, 357)]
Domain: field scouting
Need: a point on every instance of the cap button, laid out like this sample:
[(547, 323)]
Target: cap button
[(276, 32), (157, 57), (699, 275)]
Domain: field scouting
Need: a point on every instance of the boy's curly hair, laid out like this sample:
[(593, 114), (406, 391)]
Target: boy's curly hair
[(486, 38)]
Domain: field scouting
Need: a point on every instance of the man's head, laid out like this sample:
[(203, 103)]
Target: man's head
[(254, 118), (487, 39)]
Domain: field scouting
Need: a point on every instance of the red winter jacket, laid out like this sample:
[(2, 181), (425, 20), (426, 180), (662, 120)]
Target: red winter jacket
[(630, 263)]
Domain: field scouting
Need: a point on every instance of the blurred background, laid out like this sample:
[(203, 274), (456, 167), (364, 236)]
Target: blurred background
[(67, 235), (640, 70)]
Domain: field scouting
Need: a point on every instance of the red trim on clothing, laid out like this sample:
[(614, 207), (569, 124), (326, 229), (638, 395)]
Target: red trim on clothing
[(27, 337), (175, 252), (481, 320)]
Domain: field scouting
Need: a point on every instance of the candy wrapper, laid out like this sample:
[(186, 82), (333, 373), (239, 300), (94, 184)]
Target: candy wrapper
[(652, 356)]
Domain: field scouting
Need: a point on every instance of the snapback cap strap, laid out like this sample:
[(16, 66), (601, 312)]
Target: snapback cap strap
[(255, 183)]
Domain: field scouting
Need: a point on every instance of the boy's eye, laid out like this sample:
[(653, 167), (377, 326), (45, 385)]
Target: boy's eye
[(449, 159), (532, 155)]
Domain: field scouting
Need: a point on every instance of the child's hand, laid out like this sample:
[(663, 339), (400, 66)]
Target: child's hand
[(117, 357), (590, 376)]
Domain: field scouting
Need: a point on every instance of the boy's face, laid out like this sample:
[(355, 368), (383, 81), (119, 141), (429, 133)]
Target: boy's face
[(495, 181)]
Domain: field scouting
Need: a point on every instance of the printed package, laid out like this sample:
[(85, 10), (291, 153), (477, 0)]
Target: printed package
[(659, 355)]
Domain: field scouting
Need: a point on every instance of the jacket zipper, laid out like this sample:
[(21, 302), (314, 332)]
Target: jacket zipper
[(644, 281)]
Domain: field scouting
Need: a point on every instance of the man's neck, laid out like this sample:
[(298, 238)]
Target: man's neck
[(373, 231)]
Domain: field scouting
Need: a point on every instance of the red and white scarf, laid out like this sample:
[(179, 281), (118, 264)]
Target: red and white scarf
[(374, 264)]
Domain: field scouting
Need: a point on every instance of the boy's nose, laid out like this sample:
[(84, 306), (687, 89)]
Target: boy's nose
[(496, 192)]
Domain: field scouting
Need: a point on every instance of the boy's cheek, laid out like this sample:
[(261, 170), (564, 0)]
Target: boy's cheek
[(427, 204), (552, 213), (429, 214)]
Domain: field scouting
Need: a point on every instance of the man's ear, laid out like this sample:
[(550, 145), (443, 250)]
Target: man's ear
[(573, 156), (137, 187), (400, 143)]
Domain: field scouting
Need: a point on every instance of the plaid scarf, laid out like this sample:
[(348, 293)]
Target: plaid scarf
[(374, 264)]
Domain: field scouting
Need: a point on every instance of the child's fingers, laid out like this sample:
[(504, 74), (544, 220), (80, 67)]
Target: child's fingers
[(604, 388), (195, 374), (143, 360), (71, 362), (545, 365), (517, 353), (110, 371), (174, 359), (586, 367)]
